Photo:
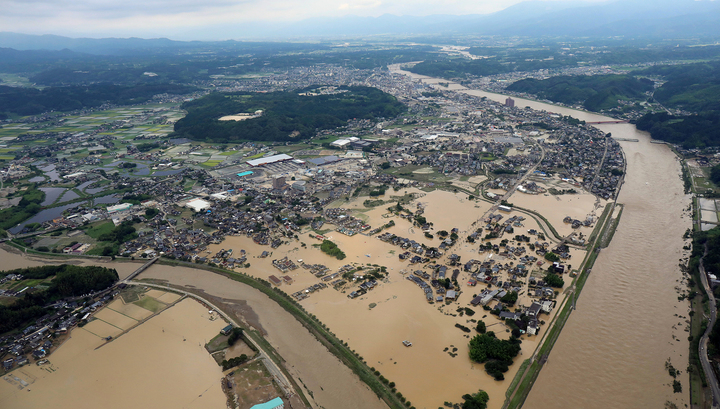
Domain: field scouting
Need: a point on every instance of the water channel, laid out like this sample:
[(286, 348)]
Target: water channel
[(629, 321)]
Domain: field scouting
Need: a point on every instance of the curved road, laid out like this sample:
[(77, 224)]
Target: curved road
[(702, 348)]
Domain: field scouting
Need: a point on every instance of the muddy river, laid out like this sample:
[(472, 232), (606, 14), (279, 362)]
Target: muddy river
[(628, 322)]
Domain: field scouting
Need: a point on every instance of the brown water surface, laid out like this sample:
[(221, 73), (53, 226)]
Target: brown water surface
[(628, 322), (160, 364)]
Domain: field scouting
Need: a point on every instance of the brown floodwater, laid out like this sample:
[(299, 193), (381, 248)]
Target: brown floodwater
[(628, 322), (436, 368), (159, 364), (332, 383), (611, 353)]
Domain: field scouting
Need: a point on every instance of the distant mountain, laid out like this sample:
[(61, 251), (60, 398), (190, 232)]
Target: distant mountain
[(87, 45), (633, 18), (32, 60), (624, 18)]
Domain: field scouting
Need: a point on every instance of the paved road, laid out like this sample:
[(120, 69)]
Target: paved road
[(702, 348), (274, 369), (597, 171), (525, 176)]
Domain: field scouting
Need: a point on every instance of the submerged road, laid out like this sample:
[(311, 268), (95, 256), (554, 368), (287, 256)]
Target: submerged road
[(702, 348)]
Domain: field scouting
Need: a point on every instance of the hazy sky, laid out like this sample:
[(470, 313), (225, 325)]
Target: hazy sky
[(201, 18)]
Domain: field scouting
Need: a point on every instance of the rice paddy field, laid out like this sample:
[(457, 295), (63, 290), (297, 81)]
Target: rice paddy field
[(124, 124)]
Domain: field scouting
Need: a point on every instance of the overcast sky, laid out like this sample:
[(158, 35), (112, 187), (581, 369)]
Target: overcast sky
[(196, 19)]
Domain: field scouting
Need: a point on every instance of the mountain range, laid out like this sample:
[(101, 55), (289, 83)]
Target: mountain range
[(638, 19)]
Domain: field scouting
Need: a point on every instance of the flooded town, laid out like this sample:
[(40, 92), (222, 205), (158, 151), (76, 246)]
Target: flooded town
[(373, 253)]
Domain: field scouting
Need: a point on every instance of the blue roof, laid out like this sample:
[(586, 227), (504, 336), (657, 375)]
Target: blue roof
[(247, 172), (269, 405)]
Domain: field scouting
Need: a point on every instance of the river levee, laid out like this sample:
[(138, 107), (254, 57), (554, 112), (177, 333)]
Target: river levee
[(330, 383), (629, 321)]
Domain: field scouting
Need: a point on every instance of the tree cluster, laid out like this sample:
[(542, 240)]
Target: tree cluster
[(120, 234), (475, 401), (331, 249), (510, 298), (496, 354), (235, 335), (554, 280)]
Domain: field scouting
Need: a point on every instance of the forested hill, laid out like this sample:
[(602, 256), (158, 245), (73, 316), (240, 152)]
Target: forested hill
[(459, 68), (31, 101), (691, 87), (595, 93), (286, 115), (692, 131)]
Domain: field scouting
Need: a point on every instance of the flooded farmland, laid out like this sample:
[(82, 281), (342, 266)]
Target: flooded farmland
[(146, 367)]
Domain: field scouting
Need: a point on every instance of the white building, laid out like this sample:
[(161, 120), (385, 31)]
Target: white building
[(198, 204), (119, 208)]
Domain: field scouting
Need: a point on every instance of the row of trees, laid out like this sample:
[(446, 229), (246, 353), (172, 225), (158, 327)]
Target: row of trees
[(233, 362)]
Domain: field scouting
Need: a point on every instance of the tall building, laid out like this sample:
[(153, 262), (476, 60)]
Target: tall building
[(509, 102), (279, 182)]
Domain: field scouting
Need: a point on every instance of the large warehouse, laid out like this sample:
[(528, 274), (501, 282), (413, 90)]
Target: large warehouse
[(268, 160)]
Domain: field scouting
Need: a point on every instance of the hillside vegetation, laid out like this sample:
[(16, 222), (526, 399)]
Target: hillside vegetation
[(69, 281), (694, 88), (595, 93), (286, 115), (31, 101)]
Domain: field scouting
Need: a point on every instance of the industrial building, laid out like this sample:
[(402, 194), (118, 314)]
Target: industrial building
[(119, 208), (268, 160), (198, 204)]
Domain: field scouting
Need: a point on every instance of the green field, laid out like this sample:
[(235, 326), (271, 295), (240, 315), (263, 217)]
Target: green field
[(211, 163), (99, 229), (150, 304)]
